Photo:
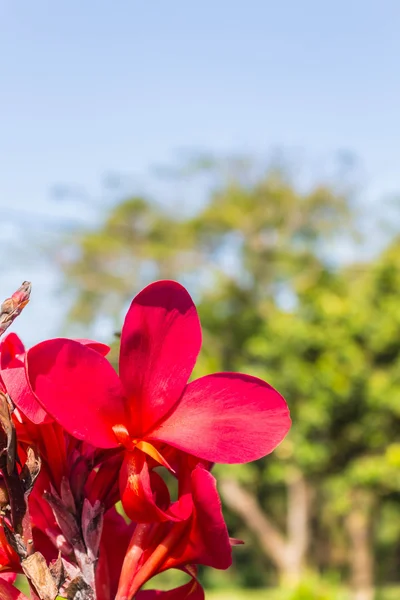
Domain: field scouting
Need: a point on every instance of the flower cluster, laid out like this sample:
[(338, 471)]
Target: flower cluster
[(89, 456)]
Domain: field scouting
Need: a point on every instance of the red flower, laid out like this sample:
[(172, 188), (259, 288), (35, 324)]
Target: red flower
[(226, 417)]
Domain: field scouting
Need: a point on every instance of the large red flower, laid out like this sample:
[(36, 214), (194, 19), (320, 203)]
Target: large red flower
[(225, 417)]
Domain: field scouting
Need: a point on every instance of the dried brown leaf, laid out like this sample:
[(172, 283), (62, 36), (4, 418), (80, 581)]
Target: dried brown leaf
[(78, 589), (13, 306), (31, 470), (9, 430), (37, 571)]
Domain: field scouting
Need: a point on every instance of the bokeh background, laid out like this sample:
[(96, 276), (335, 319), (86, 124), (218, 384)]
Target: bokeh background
[(251, 151)]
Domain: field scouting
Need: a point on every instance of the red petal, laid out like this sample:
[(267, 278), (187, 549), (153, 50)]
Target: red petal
[(9, 592), (102, 484), (113, 546), (226, 418), (208, 541), (144, 494), (160, 341), (10, 577), (102, 349), (13, 374), (79, 388), (50, 441), (9, 559), (15, 381), (209, 538), (189, 591), (11, 347)]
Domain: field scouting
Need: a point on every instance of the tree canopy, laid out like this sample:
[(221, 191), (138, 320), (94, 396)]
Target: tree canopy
[(259, 259)]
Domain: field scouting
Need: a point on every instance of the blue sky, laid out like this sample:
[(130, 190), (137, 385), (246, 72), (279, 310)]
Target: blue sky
[(92, 87)]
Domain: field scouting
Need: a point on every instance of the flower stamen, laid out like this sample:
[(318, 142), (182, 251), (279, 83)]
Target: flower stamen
[(123, 437)]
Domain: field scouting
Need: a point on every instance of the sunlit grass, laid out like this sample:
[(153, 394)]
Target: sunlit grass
[(387, 593), (245, 595)]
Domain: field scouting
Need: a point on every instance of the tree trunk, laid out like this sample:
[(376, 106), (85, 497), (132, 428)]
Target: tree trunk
[(358, 524), (298, 534), (287, 553)]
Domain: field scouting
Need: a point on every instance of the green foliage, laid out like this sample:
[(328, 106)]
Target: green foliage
[(271, 304), (313, 588), (267, 228), (331, 593)]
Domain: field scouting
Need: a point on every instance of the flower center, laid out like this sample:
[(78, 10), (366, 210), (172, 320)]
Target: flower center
[(131, 444)]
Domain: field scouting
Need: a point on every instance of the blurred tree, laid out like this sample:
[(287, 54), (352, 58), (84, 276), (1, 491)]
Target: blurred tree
[(259, 233), (273, 303), (336, 356)]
